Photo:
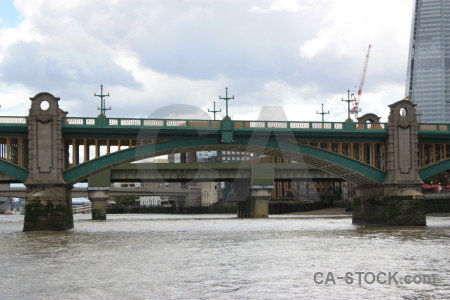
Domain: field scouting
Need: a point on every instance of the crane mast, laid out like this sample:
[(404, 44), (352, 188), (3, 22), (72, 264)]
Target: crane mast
[(357, 98)]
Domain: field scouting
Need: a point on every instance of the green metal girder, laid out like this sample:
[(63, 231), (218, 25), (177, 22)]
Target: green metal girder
[(14, 130), (434, 169), (363, 169), (74, 174), (165, 132), (434, 137), (13, 171), (132, 154)]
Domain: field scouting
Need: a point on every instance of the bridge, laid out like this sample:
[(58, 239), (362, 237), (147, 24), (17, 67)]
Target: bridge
[(83, 192), (206, 172), (239, 173), (49, 152)]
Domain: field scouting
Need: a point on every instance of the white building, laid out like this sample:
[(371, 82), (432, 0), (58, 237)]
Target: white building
[(150, 201), (210, 193)]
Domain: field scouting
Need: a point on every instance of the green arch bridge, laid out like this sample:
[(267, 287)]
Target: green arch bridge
[(50, 152)]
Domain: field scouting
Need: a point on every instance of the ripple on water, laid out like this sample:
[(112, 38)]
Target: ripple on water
[(218, 257)]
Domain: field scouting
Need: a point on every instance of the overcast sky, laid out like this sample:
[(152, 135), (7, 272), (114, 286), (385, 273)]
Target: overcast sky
[(149, 54)]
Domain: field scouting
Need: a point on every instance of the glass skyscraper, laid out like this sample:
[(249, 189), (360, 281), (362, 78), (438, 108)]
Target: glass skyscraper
[(428, 76)]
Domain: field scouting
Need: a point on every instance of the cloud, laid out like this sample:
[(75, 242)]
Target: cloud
[(279, 6), (149, 54), (42, 67), (179, 111), (368, 22), (14, 100)]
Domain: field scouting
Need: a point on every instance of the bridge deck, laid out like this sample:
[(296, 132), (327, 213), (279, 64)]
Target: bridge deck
[(87, 139)]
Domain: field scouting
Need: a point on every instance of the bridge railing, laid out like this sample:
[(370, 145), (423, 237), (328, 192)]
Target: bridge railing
[(307, 125), (434, 127), (142, 122), (13, 120), (80, 121), (113, 122)]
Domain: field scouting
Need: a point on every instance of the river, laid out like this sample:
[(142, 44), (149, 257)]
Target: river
[(222, 257)]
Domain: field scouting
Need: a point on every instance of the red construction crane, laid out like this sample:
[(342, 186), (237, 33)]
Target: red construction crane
[(357, 98)]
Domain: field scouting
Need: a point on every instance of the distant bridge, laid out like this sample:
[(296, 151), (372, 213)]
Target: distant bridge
[(218, 172), (83, 192)]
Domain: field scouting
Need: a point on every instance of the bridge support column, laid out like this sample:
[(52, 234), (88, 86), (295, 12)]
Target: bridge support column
[(48, 203), (48, 207), (257, 203), (180, 203), (389, 206), (98, 197), (398, 201)]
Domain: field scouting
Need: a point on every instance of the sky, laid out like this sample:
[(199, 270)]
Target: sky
[(157, 57)]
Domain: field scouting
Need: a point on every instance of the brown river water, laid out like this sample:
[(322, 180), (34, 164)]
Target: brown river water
[(223, 257)]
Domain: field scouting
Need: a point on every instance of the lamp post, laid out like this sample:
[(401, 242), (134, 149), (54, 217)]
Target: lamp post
[(214, 111), (226, 98), (102, 107), (323, 113), (348, 104)]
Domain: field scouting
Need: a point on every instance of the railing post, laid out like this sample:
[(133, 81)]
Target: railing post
[(101, 121), (227, 128)]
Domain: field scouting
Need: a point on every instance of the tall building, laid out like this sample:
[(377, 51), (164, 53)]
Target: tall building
[(428, 76)]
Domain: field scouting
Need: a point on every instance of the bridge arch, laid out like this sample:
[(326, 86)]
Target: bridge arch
[(434, 169), (344, 167), (13, 171)]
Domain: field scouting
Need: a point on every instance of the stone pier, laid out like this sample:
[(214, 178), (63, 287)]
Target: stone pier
[(398, 201), (98, 197), (48, 202), (48, 207), (257, 203), (389, 206), (253, 194), (99, 187)]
